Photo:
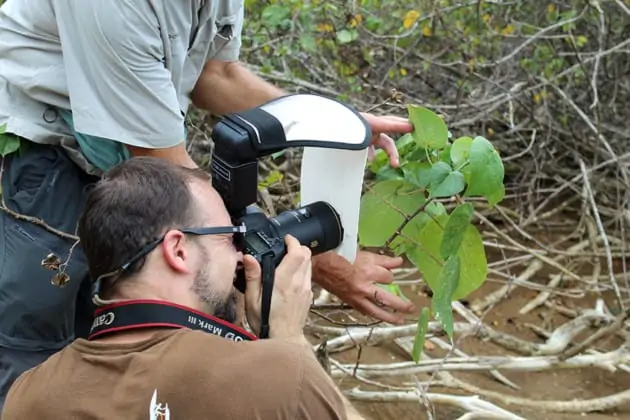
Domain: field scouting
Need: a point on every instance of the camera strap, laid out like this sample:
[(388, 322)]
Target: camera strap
[(268, 275), (142, 314)]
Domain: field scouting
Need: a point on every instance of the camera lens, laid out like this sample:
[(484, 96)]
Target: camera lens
[(316, 225)]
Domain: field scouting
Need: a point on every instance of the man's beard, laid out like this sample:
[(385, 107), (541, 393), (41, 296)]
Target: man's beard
[(221, 307)]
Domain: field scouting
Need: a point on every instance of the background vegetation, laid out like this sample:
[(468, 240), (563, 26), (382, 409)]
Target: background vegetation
[(548, 83)]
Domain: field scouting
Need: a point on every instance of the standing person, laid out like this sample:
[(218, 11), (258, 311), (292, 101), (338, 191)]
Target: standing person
[(85, 85)]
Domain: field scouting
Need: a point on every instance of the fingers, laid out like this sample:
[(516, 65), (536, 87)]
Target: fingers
[(394, 118), (383, 276), (295, 248), (387, 262), (388, 124), (252, 276), (298, 257), (390, 301), (306, 269), (389, 146), (371, 153), (252, 269), (380, 304), (376, 259), (374, 311)]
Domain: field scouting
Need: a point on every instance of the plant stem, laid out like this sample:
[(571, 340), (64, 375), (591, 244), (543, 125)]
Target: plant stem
[(406, 222)]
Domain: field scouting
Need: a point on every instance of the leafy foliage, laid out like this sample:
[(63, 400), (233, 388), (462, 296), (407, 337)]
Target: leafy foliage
[(403, 210), (8, 144)]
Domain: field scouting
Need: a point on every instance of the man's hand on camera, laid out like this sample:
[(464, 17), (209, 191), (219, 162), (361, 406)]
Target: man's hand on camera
[(357, 284), (292, 295)]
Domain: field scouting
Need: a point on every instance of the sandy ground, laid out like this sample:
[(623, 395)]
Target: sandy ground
[(557, 385)]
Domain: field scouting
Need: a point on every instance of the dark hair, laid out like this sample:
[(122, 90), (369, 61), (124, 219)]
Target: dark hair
[(133, 204)]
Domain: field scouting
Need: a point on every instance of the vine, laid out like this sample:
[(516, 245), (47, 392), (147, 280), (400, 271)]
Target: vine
[(404, 211)]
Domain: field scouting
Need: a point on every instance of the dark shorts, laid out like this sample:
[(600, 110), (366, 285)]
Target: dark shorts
[(37, 317)]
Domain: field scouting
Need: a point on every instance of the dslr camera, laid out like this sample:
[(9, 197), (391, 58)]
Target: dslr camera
[(241, 139)]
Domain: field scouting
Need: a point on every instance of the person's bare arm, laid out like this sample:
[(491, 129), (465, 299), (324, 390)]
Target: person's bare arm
[(227, 86)]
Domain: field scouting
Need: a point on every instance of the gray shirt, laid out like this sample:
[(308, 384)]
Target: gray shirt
[(92, 75)]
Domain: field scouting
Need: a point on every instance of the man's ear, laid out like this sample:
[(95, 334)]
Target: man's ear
[(176, 251)]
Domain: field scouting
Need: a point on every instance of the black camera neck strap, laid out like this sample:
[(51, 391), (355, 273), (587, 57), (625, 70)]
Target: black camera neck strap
[(142, 314), (268, 275)]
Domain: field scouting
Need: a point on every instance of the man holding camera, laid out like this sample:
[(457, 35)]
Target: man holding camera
[(173, 225), (84, 86)]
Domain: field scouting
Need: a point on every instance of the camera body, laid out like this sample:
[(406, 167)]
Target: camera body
[(316, 226)]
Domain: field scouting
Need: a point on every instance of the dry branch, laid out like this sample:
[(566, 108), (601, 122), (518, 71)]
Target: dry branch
[(606, 361), (579, 407), (473, 404)]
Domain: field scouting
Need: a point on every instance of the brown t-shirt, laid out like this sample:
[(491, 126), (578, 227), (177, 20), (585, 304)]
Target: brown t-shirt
[(188, 374)]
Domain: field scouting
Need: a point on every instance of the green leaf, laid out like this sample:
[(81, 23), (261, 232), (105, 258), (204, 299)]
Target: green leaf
[(379, 216), (445, 154), (417, 173), (272, 178), (496, 196), (308, 42), (274, 14), (418, 154), (427, 258), (411, 232), (380, 160), (437, 174), (3, 128), (346, 36), (423, 326), (404, 140), (460, 151), (372, 23), (486, 172), (430, 131), (394, 289), (8, 143), (387, 172), (443, 296), (455, 229), (452, 185)]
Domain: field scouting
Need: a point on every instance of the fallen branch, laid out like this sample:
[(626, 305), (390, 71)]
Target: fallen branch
[(535, 266), (599, 334), (605, 361), (473, 404), (575, 406), (353, 337), (564, 335)]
